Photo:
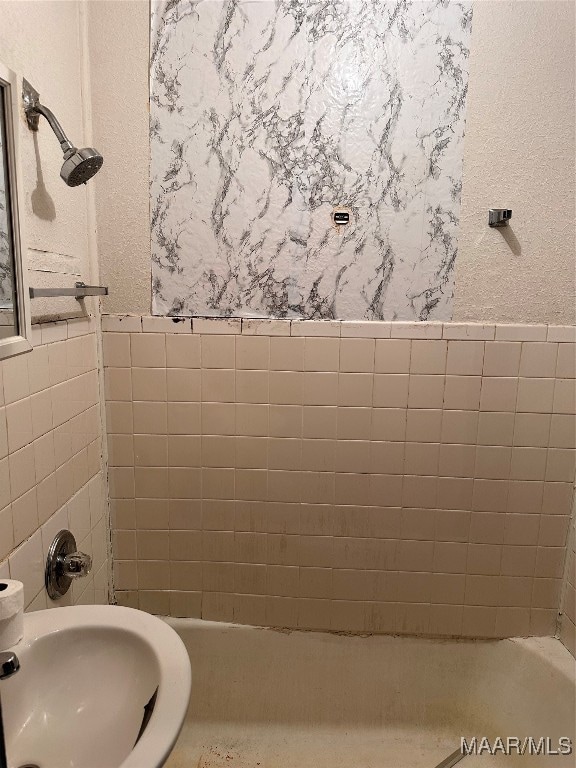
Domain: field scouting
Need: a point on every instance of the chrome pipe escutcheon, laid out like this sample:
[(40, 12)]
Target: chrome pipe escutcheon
[(63, 564)]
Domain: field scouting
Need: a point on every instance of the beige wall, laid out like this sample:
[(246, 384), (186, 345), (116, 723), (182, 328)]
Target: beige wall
[(362, 484), (519, 154), (118, 50), (51, 471), (44, 42)]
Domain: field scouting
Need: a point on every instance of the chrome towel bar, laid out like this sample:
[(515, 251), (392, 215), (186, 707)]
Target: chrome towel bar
[(80, 291)]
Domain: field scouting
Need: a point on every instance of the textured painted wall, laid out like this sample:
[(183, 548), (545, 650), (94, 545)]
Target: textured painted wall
[(264, 116), (43, 42), (490, 281), (120, 131), (519, 154)]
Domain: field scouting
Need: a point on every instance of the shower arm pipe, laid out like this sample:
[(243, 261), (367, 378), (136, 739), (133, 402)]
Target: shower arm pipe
[(40, 109), (79, 164)]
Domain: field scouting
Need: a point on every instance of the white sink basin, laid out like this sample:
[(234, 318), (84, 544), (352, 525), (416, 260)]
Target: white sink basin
[(86, 674)]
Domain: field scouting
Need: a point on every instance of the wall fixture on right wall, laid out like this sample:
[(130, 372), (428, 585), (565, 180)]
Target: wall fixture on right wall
[(499, 217)]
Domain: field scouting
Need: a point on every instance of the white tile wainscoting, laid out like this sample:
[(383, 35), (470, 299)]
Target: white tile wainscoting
[(51, 471), (382, 477)]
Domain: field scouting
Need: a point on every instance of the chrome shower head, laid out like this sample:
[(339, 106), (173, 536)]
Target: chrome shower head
[(79, 164)]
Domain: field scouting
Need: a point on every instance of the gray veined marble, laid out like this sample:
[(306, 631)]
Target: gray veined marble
[(265, 115)]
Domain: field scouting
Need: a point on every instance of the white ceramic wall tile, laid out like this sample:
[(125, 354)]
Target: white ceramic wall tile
[(58, 522), (403, 330), (52, 332), (521, 332), (166, 324), (266, 327), (98, 499), (79, 514), (457, 456), (352, 329), (122, 323), (27, 566), (54, 461), (315, 328), (81, 326), (471, 331), (39, 603), (345, 328), (563, 333), (217, 326), (36, 335)]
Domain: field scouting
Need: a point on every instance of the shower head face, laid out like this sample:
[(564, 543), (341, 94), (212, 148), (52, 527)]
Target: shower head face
[(80, 166)]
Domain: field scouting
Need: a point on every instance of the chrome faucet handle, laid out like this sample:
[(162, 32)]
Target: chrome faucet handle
[(76, 564), (9, 664), (64, 564)]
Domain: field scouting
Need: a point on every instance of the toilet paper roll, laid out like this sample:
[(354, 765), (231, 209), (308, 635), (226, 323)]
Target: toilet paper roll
[(11, 612), (11, 598)]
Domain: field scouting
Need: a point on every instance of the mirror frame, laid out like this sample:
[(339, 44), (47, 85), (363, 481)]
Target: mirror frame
[(15, 345)]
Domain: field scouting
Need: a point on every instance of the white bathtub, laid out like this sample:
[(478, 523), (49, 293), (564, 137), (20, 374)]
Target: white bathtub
[(263, 698)]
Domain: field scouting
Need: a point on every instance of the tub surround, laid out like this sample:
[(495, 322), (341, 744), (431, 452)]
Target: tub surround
[(386, 701), (266, 116), (51, 472), (329, 479)]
